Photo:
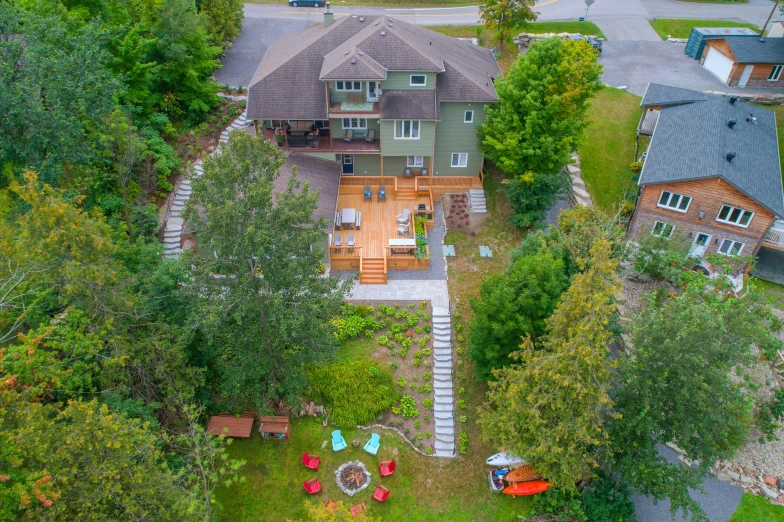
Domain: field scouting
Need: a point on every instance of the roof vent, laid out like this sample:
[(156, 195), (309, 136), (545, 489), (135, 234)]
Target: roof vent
[(390, 24), (360, 53), (730, 156), (431, 43), (345, 53), (361, 19), (762, 39), (376, 23), (383, 33), (733, 99), (732, 123), (751, 119), (353, 61)]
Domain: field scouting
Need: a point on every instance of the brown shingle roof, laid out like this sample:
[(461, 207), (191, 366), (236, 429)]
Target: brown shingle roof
[(322, 174), (356, 65), (414, 104), (230, 426)]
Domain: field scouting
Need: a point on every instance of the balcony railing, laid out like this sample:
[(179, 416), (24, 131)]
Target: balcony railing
[(320, 143), (774, 239)]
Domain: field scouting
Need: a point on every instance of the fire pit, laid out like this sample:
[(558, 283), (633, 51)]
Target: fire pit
[(352, 477)]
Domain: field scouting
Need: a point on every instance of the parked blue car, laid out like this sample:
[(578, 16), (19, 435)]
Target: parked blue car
[(312, 3)]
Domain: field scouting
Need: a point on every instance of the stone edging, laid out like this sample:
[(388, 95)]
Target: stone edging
[(402, 435)]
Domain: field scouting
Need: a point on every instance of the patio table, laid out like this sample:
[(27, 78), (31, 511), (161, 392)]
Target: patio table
[(348, 217)]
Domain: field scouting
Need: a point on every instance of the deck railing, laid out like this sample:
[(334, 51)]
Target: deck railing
[(775, 239)]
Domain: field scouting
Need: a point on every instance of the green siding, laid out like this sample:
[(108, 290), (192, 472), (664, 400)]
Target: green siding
[(341, 96), (421, 147), (323, 155), (338, 132), (452, 135), (395, 165), (402, 80), (367, 165)]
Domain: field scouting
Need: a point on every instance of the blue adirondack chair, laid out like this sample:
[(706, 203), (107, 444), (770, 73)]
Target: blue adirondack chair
[(338, 442), (373, 444)]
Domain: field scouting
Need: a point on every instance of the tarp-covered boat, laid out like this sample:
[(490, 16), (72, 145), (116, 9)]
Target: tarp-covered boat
[(504, 459)]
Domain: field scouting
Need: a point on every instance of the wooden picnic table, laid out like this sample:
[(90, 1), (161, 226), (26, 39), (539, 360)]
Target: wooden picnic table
[(348, 217)]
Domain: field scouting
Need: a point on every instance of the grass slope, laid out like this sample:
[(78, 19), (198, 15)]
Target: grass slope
[(681, 28), (756, 509), (469, 31), (608, 147), (779, 110)]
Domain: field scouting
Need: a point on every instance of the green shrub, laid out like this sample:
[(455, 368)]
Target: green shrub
[(427, 376), (393, 365), (401, 382), (461, 404), (605, 500), (418, 329), (383, 340), (353, 321), (417, 362), (463, 438), (428, 434), (635, 167), (354, 392), (417, 424), (427, 418), (407, 407), (428, 451), (427, 403), (425, 388), (559, 503), (406, 343)]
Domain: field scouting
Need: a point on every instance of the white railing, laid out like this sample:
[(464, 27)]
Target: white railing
[(775, 237)]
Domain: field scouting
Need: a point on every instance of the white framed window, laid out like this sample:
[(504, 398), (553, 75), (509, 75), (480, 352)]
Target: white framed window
[(348, 86), (775, 73), (735, 216), (674, 201), (278, 124), (468, 117), (355, 123), (415, 161), (731, 248), (459, 159), (406, 129), (418, 80), (662, 229)]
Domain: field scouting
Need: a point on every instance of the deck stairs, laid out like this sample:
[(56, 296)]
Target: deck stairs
[(405, 189), (478, 202), (373, 271)]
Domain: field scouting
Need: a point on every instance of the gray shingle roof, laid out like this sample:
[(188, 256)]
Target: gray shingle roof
[(415, 104), (692, 139), (322, 174), (756, 50), (287, 84), (658, 94)]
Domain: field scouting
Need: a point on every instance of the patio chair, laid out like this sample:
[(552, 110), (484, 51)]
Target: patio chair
[(382, 193), (402, 230), (338, 239), (387, 467), (368, 194), (312, 486), (349, 136), (350, 242), (404, 217), (338, 442), (407, 173), (311, 461), (328, 504), (373, 444), (371, 136), (359, 508), (423, 172), (381, 493)]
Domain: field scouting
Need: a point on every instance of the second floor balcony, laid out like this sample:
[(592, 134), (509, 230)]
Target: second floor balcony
[(321, 140)]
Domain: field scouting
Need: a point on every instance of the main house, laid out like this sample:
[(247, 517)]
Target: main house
[(380, 96), (712, 172)]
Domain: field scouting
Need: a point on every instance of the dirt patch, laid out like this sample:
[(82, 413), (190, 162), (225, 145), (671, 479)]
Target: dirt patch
[(411, 377), (458, 215)]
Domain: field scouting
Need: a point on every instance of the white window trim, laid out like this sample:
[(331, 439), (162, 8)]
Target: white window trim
[(402, 125), (728, 222), (344, 89), (459, 156), (664, 227), (732, 244), (419, 161), (411, 81), (351, 127), (465, 116), (777, 69), (676, 209)]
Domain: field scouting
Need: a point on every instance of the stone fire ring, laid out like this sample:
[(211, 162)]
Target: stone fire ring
[(348, 491)]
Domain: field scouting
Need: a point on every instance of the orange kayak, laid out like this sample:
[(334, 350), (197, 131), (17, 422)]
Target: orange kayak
[(522, 474), (522, 489)]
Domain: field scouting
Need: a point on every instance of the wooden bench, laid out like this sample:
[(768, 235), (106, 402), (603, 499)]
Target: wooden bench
[(359, 220)]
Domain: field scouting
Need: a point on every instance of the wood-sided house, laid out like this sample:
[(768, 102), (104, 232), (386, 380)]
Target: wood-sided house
[(712, 172), (740, 61)]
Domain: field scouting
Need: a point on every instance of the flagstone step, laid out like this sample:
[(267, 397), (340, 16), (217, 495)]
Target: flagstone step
[(445, 447), (442, 344), (441, 385), (440, 311)]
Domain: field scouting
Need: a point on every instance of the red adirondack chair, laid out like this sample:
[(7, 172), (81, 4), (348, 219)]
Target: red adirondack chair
[(381, 494), (312, 486), (387, 467), (328, 504), (311, 461), (359, 508)]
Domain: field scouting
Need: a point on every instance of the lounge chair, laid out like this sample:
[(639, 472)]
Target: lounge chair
[(382, 193), (312, 486), (371, 136), (350, 242), (402, 230), (381, 493), (373, 444), (311, 461), (404, 218), (387, 467), (338, 442), (338, 239), (368, 194), (349, 136)]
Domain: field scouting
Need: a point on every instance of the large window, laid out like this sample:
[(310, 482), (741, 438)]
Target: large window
[(406, 130), (469, 117), (673, 201), (355, 123), (459, 159), (730, 247), (661, 229), (775, 73), (734, 216), (415, 161), (348, 86), (418, 80)]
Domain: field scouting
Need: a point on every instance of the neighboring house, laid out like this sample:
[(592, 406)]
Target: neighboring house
[(740, 61), (712, 172), (776, 29), (377, 95)]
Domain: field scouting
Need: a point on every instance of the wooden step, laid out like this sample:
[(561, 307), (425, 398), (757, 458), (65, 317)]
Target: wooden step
[(405, 194), (373, 272)]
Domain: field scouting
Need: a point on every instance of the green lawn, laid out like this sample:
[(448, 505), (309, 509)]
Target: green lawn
[(469, 31), (608, 148), (774, 294), (779, 110), (756, 509), (681, 28)]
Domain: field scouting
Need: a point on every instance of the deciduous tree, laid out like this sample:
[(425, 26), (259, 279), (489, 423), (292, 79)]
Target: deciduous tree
[(505, 15)]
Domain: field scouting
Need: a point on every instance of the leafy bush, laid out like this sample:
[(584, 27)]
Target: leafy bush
[(425, 388), (428, 434), (354, 392), (354, 320), (427, 376), (463, 438), (401, 382), (605, 500), (559, 503), (407, 407), (427, 403), (428, 451), (635, 167), (417, 424)]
